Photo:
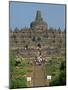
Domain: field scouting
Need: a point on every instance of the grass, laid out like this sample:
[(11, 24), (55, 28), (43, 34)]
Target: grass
[(18, 72), (19, 82), (53, 66)]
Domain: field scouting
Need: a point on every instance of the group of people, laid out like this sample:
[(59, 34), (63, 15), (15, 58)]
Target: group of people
[(39, 60)]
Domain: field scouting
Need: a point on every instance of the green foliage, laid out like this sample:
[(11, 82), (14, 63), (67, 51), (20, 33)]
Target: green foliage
[(19, 72), (52, 68), (60, 77), (56, 67), (12, 61), (18, 83), (16, 75), (24, 62)]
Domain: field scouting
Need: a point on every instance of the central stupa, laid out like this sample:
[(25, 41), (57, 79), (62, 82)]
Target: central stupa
[(39, 23)]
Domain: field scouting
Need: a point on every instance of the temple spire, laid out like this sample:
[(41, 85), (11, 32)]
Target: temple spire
[(38, 23), (38, 16)]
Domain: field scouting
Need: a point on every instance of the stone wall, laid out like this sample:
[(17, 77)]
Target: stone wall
[(28, 41)]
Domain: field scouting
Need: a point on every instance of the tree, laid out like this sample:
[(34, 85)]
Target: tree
[(60, 79), (16, 82)]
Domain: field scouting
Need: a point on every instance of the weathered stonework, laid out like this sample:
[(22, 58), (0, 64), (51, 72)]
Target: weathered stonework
[(28, 41), (39, 23)]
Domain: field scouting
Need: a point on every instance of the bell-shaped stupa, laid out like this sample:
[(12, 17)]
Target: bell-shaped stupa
[(39, 23)]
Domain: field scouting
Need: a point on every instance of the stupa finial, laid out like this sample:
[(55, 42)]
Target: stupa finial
[(38, 16)]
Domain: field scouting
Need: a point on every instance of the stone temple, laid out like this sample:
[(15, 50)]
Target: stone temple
[(39, 23), (38, 39)]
